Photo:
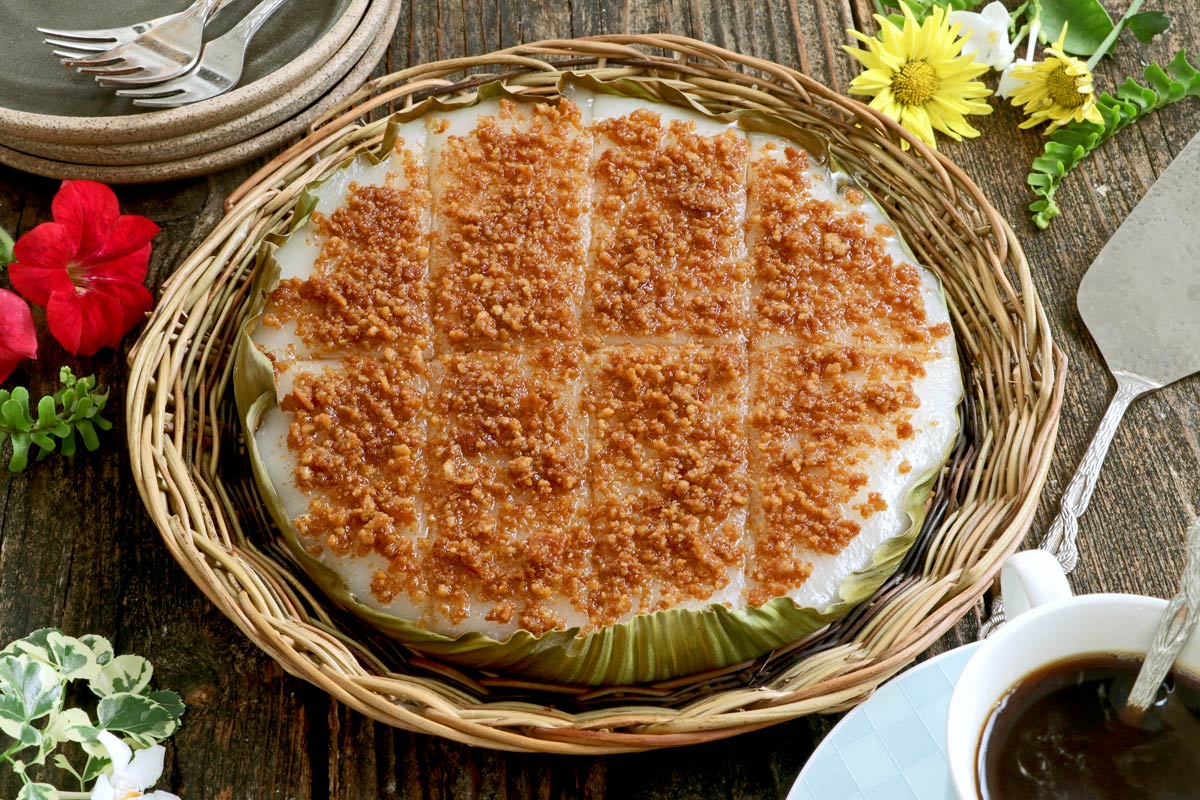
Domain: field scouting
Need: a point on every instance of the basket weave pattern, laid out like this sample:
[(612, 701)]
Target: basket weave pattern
[(192, 471)]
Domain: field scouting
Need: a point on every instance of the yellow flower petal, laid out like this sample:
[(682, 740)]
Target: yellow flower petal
[(916, 74)]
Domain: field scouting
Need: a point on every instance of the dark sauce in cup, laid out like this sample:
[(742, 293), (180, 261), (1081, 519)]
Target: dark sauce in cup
[(1056, 735)]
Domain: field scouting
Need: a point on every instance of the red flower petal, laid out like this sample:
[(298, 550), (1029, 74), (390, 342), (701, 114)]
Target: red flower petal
[(128, 234), (48, 245), (85, 322), (18, 338), (129, 268), (135, 301), (87, 209), (37, 283)]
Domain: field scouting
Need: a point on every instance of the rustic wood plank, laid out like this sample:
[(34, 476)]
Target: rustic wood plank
[(77, 550)]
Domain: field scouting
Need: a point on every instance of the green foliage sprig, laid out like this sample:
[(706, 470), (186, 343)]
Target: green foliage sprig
[(1073, 142), (35, 673), (73, 409), (920, 8)]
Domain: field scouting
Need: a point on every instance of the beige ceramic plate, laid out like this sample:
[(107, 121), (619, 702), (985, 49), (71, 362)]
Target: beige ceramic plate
[(228, 156), (41, 99), (199, 142)]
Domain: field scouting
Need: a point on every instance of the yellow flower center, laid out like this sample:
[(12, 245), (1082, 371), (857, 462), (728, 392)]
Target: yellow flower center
[(1062, 90), (915, 83)]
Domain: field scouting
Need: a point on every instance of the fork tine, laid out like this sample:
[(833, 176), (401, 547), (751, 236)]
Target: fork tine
[(69, 55), (82, 47), (131, 77), (97, 60), (157, 90), (97, 35), (165, 102)]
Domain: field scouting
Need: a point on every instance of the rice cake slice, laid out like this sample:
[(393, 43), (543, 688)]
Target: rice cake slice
[(668, 477), (506, 491), (826, 266), (840, 438), (344, 450), (353, 276), (510, 220), (669, 201)]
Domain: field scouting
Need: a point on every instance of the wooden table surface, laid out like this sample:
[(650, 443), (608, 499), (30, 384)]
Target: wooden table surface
[(78, 551)]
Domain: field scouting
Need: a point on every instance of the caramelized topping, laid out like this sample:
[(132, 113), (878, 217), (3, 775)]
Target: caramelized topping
[(819, 274), (510, 219), (358, 437), (718, 414), (816, 419), (668, 474), (368, 290), (506, 484), (667, 223)]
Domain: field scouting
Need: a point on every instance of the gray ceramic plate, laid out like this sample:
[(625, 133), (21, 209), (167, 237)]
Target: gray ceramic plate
[(259, 119), (41, 98), (229, 156)]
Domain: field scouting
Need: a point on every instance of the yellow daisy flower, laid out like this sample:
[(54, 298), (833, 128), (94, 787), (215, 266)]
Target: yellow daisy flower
[(1056, 90), (918, 76)]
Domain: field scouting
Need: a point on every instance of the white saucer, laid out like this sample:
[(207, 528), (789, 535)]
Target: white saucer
[(893, 746)]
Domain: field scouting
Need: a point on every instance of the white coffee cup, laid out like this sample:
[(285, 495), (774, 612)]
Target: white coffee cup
[(1046, 624)]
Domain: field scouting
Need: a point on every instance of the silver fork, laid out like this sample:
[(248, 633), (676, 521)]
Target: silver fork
[(84, 42), (219, 68), (168, 50)]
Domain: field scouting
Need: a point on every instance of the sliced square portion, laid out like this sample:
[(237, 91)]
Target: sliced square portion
[(826, 268), (668, 207), (668, 477), (839, 438), (506, 493), (353, 279), (345, 452), (510, 220)]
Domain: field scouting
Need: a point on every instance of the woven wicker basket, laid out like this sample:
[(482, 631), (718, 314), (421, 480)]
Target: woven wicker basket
[(190, 464)]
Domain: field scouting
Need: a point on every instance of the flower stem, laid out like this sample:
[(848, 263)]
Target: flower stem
[(1112, 35)]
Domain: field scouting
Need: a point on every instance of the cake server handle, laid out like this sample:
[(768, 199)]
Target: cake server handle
[(1064, 531)]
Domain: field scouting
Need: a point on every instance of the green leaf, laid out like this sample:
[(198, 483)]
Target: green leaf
[(35, 644), (100, 646), (142, 718), (75, 408), (1087, 23), (1148, 24), (37, 791), (71, 725), (23, 732), (73, 657), (127, 673), (1075, 141), (169, 700), (29, 690), (96, 764)]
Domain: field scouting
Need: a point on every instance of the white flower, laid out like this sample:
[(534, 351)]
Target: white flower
[(986, 34), (132, 772), (1009, 84)]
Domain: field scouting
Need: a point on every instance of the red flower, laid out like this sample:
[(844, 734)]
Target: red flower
[(87, 268), (18, 339)]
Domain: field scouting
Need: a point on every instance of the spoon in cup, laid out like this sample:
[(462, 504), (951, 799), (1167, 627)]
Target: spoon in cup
[(1174, 629)]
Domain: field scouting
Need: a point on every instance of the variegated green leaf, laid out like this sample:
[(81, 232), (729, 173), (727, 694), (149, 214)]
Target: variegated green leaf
[(37, 791), (73, 657), (29, 689), (100, 646), (127, 673), (143, 718)]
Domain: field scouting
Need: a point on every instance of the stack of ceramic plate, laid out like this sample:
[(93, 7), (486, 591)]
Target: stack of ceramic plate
[(53, 121)]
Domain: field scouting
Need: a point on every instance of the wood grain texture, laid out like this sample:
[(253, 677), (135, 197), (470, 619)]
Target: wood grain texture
[(77, 550)]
